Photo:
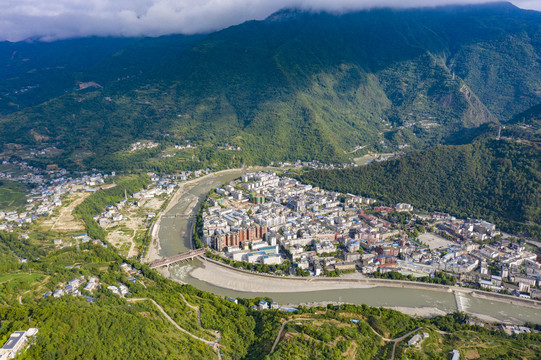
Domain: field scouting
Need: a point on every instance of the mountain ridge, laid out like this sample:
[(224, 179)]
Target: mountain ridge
[(311, 86)]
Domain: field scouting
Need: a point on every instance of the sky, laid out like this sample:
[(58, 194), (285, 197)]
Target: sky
[(60, 19)]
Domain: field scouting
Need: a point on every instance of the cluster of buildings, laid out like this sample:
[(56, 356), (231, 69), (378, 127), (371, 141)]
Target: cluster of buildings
[(120, 290), (17, 343), (263, 218), (470, 229), (48, 188), (73, 288), (187, 146), (229, 147), (143, 145), (267, 219), (132, 272), (161, 185), (511, 329), (315, 164), (507, 268)]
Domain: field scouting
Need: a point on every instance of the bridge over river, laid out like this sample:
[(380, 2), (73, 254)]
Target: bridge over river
[(166, 261)]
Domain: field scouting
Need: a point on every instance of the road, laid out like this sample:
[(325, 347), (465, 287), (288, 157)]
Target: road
[(282, 329), (213, 344), (394, 341), (397, 340), (196, 308)]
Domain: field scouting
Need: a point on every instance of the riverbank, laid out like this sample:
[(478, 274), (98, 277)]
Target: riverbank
[(225, 276), (415, 299), (154, 248)]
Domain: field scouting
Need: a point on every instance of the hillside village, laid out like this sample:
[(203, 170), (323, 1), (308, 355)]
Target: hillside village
[(48, 188), (287, 227)]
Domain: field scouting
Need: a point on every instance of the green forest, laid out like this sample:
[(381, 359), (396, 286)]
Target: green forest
[(311, 86), (499, 181)]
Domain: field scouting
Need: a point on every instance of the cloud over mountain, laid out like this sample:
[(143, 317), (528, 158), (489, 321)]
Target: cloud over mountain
[(57, 19)]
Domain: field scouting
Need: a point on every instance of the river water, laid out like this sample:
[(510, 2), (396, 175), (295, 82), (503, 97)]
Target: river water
[(175, 237), (176, 226)]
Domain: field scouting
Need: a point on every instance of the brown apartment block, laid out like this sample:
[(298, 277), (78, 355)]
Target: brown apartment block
[(236, 238)]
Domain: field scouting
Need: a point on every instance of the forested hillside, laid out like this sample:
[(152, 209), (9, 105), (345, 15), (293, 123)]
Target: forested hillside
[(32, 72), (499, 181), (300, 86)]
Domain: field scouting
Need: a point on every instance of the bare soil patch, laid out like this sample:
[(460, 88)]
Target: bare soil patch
[(65, 221)]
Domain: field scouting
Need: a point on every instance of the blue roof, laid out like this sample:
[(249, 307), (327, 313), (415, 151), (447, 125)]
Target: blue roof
[(267, 248)]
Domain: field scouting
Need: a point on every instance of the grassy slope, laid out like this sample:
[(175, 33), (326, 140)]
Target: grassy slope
[(12, 195)]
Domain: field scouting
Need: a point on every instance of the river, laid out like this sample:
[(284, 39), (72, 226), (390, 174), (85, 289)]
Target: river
[(175, 237), (176, 226)]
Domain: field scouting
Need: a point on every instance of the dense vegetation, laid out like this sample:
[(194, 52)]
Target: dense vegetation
[(307, 86), (355, 332), (499, 181), (32, 72), (72, 328), (441, 278)]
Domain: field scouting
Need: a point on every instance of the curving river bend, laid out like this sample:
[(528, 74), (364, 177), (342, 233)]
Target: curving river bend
[(175, 237)]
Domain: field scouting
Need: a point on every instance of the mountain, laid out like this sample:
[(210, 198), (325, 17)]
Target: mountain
[(496, 180), (33, 72), (300, 85)]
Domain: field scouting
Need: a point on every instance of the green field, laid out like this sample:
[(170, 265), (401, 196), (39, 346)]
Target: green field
[(12, 195), (21, 277)]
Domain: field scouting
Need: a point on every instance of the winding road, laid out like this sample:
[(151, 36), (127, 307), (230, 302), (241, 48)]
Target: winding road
[(282, 329), (394, 341), (213, 344)]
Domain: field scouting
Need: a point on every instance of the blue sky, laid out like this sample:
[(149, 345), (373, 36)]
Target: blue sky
[(60, 19)]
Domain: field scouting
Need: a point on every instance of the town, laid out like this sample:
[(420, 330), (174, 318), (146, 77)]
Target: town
[(289, 228)]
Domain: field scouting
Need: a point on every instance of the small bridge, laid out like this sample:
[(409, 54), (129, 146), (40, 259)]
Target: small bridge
[(177, 216), (173, 259)]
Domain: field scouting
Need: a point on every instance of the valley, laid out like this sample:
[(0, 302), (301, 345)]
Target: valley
[(357, 184)]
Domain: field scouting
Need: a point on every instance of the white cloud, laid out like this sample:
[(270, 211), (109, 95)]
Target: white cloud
[(56, 19)]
